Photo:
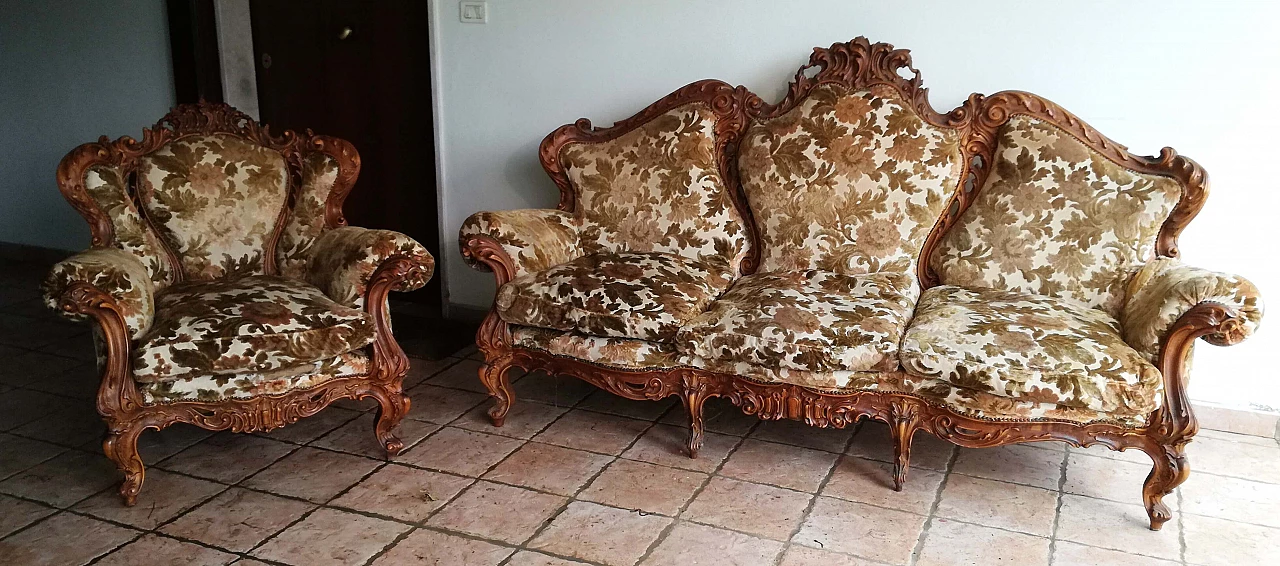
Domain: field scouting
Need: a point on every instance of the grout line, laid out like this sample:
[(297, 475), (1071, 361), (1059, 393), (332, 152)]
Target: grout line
[(1059, 501), (933, 508)]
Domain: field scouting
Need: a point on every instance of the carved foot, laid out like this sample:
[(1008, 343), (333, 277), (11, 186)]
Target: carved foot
[(494, 377), (902, 427), (121, 446), (694, 396), (1170, 469), (392, 407)]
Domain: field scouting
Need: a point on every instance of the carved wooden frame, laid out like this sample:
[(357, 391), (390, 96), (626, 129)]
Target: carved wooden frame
[(119, 401), (861, 64)]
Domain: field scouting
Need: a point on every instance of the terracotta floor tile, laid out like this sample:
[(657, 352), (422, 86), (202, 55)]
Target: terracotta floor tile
[(1117, 480), (329, 536), (763, 510), (1215, 542), (404, 493), (441, 405), (783, 465), (21, 406), (718, 415), (462, 375), (645, 410), (530, 558), (690, 544), (949, 543), (1235, 458), (228, 457), (421, 370), (1116, 526), (1065, 553), (498, 512), (164, 496), (647, 487), (79, 347), (72, 423), (312, 474), (595, 432), (868, 481), (862, 530), (33, 333), (434, 548), (667, 445), (614, 537), (1133, 456), (16, 513), (312, 427), (798, 555), (155, 446), (997, 504), (459, 451), (63, 480), (1232, 499), (1014, 463), (558, 390), (800, 434), (356, 437), (549, 468), (18, 453), (1268, 441), (155, 550), (22, 368), (237, 519), (79, 382), (64, 539), (874, 442), (523, 421)]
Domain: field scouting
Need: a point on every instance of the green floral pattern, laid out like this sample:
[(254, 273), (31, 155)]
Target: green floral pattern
[(113, 271), (1165, 289), (535, 239), (345, 259), (106, 186), (221, 387), (625, 353), (319, 173)]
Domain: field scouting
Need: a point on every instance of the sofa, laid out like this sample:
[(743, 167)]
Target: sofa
[(996, 274)]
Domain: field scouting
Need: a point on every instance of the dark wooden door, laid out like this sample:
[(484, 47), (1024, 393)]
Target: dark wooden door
[(359, 70)]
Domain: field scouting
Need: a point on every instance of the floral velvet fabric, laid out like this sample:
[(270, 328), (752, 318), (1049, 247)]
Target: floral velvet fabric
[(130, 233), (256, 324), (221, 387), (626, 295), (626, 353), (1164, 289), (535, 239), (806, 320), (215, 201), (343, 262), (1055, 218), (1028, 347), (306, 221), (657, 188), (113, 271), (847, 182)]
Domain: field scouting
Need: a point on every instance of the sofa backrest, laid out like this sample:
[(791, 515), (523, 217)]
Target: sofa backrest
[(207, 193), (1060, 210), (660, 181)]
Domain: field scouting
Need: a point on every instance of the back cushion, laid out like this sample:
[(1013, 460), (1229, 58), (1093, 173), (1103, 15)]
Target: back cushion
[(215, 201), (106, 186), (847, 182), (657, 188), (1055, 218)]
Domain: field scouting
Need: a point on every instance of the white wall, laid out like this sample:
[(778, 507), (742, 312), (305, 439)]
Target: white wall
[(1198, 76)]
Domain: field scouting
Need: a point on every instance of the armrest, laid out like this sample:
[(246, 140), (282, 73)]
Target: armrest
[(1165, 289), (534, 239), (112, 272), (344, 261)]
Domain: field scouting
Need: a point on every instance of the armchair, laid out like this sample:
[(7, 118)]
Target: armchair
[(226, 289)]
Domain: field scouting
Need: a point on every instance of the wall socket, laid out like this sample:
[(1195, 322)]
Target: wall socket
[(473, 12)]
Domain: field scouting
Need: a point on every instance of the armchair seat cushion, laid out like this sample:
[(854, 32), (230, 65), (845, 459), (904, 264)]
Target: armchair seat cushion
[(626, 295), (212, 388), (256, 324), (806, 320), (1028, 347)]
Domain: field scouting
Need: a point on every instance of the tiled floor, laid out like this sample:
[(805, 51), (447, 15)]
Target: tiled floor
[(577, 476)]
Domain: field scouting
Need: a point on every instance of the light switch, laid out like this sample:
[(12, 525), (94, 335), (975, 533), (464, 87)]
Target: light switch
[(473, 12)]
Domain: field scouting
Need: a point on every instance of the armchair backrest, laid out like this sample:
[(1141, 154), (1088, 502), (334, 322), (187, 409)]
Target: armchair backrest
[(208, 193)]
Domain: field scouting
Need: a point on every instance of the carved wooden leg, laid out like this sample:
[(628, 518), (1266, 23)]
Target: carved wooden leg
[(903, 430), (494, 376), (694, 396), (392, 407), (1169, 471), (121, 446)]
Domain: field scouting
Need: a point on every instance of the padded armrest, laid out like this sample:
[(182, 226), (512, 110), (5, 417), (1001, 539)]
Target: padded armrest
[(1164, 289), (535, 239), (343, 261), (114, 272)]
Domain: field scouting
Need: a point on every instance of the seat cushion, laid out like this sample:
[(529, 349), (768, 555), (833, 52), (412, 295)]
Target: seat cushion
[(1028, 347), (210, 388), (253, 324), (627, 295), (806, 320)]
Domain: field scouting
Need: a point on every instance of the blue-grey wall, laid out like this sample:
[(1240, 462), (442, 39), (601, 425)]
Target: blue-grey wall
[(71, 71)]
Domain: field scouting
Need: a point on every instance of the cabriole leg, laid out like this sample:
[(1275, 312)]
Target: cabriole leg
[(121, 446), (392, 407), (494, 376), (1170, 469), (694, 397), (903, 430)]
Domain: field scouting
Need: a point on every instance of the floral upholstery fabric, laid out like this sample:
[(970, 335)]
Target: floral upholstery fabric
[(305, 224), (256, 324), (1164, 289), (812, 320), (626, 295), (989, 406), (536, 239), (130, 233), (1055, 218), (345, 259), (657, 188), (221, 387), (215, 201), (625, 353), (847, 182), (115, 272), (1030, 347)]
